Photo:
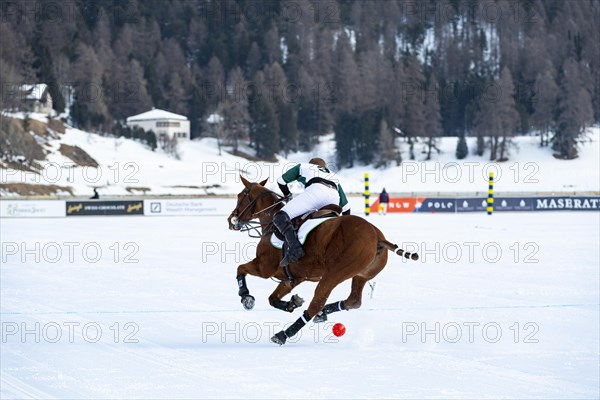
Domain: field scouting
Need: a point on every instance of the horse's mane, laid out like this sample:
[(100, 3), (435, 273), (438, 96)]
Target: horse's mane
[(263, 188)]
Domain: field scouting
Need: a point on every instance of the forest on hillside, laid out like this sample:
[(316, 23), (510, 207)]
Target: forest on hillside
[(282, 73)]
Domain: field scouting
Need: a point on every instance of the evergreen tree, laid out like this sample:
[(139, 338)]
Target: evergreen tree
[(487, 121), (151, 139), (264, 128), (288, 122), (364, 66), (574, 111), (139, 134), (433, 119), (507, 112), (365, 142), (545, 102), (386, 150), (480, 145), (462, 151), (126, 132), (344, 129), (236, 117), (414, 117)]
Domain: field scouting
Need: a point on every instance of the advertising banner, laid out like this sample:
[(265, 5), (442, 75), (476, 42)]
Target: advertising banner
[(513, 204), (479, 204), (471, 204), (432, 204), (562, 203), (400, 204), (119, 207), (189, 207), (31, 208)]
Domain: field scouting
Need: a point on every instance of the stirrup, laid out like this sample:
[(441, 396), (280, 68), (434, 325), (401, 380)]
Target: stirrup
[(284, 261), (287, 273)]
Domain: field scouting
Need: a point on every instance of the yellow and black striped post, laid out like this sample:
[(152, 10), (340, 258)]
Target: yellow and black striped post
[(490, 205), (367, 194)]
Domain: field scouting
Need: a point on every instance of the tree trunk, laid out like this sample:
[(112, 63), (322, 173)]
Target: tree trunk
[(493, 148), (502, 147), (429, 146)]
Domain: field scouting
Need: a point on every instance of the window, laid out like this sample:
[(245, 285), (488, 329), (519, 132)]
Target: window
[(167, 124)]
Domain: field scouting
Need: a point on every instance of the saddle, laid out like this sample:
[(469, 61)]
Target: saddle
[(330, 210)]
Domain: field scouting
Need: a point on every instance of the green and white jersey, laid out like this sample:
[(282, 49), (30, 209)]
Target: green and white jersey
[(304, 172)]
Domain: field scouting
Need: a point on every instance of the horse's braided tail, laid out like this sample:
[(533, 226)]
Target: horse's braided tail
[(394, 247)]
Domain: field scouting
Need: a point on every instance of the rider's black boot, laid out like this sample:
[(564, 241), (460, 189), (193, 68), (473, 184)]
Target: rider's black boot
[(294, 252)]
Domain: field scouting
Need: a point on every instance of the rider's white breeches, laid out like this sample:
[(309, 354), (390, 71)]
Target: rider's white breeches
[(314, 197)]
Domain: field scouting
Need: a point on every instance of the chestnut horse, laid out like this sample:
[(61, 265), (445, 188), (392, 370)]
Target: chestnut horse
[(346, 247)]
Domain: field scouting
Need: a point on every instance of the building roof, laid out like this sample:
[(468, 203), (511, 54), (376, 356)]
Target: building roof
[(156, 114), (35, 91)]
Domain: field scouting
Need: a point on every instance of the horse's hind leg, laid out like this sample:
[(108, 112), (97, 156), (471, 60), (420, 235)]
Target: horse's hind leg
[(280, 291), (353, 301), (322, 292)]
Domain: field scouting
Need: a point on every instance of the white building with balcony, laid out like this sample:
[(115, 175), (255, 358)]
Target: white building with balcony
[(37, 98), (163, 123)]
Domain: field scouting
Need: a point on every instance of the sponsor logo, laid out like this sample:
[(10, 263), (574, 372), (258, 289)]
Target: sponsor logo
[(31, 208), (187, 207), (74, 208), (401, 204), (567, 203), (105, 208), (14, 209), (155, 208), (134, 207), (433, 204)]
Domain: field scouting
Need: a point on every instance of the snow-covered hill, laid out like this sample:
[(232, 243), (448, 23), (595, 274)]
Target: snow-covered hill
[(127, 167)]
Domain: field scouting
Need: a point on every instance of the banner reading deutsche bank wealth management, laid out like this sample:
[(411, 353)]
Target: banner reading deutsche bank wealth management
[(189, 207), (119, 207)]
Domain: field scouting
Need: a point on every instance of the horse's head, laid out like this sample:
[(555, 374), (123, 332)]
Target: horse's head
[(253, 200)]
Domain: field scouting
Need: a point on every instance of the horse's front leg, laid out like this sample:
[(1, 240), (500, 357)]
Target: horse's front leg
[(243, 270), (283, 289)]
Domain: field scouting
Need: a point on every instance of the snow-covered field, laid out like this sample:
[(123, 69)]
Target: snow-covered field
[(130, 307), (128, 167)]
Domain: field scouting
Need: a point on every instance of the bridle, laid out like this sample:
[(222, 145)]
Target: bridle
[(249, 225)]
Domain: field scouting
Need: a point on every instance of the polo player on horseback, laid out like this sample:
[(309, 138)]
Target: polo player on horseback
[(321, 189)]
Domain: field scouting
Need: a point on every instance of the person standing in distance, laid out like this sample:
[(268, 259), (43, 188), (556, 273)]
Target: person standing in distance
[(384, 199)]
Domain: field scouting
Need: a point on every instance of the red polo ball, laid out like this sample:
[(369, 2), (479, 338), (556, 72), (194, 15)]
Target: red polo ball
[(339, 329)]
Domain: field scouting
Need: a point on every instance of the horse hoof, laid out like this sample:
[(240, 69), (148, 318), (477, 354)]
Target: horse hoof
[(279, 338), (320, 317), (297, 301), (248, 302)]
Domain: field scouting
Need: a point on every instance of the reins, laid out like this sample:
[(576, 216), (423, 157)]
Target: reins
[(253, 228)]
